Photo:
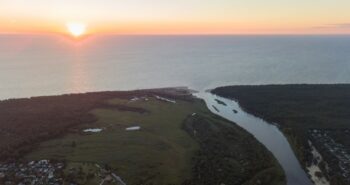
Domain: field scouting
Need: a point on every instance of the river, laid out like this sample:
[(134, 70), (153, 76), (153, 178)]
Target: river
[(268, 134)]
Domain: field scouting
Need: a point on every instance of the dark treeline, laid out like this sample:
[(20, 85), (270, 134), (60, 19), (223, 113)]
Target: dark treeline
[(298, 109), (229, 155), (321, 106)]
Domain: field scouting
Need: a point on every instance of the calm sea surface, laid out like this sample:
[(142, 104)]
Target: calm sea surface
[(44, 65)]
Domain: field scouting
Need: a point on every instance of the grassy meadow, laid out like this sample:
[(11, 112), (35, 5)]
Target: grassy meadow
[(180, 142), (160, 152)]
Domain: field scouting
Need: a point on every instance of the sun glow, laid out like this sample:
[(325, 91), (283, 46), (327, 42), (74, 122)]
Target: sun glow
[(78, 19), (76, 29)]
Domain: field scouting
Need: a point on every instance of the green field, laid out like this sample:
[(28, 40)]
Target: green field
[(173, 147), (159, 153)]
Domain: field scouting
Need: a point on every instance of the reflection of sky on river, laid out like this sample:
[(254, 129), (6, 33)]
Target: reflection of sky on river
[(267, 134)]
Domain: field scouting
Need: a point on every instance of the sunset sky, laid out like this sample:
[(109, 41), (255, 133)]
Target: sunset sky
[(177, 16)]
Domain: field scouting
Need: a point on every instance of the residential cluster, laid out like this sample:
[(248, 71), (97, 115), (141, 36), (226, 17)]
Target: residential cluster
[(34, 172), (340, 155)]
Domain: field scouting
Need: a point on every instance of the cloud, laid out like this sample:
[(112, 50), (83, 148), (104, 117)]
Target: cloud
[(333, 26), (344, 25)]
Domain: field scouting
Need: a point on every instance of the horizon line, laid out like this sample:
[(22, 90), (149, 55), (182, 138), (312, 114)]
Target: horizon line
[(178, 34)]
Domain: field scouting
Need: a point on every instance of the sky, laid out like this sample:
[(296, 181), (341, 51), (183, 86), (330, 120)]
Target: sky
[(177, 16)]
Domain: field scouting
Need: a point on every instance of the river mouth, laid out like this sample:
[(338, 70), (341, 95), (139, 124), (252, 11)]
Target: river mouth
[(267, 134)]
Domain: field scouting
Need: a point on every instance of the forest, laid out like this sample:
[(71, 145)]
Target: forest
[(300, 111)]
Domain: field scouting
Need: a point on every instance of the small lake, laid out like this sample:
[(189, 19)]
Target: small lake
[(268, 134)]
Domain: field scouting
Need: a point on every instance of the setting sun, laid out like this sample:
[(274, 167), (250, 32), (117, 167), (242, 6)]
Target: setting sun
[(76, 29)]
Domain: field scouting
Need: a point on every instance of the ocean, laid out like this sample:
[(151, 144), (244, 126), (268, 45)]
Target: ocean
[(35, 65)]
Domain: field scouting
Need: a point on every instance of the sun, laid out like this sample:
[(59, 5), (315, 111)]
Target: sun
[(76, 29)]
